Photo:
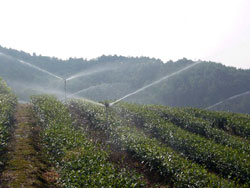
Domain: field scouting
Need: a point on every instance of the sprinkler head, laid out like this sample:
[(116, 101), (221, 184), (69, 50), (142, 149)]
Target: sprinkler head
[(106, 104)]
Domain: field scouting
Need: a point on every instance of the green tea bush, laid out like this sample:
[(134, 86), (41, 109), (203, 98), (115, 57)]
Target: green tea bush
[(81, 163), (234, 123), (168, 163), (221, 159), (8, 103), (202, 127)]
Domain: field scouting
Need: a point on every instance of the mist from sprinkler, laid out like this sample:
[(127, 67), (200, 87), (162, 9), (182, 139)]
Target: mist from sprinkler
[(56, 76), (91, 101), (40, 69), (80, 91), (228, 99), (33, 66), (107, 105), (154, 83), (90, 72), (49, 73), (82, 74)]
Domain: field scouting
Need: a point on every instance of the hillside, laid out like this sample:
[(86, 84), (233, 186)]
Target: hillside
[(112, 77)]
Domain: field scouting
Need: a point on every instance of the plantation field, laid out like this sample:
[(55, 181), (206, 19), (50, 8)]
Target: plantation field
[(132, 145), (126, 145)]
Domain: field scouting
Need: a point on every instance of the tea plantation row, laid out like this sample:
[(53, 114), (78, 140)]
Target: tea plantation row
[(185, 148), (229, 162), (80, 162), (8, 103), (180, 171)]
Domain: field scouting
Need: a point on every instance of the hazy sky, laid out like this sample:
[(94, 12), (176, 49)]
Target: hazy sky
[(216, 30)]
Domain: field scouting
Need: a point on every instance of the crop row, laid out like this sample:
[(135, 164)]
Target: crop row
[(81, 162), (202, 127), (180, 171), (234, 123), (7, 108), (222, 159)]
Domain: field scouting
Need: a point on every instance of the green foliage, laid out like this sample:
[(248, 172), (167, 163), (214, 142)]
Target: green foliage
[(203, 127), (224, 160), (4, 89), (158, 157), (7, 109), (81, 162), (233, 123)]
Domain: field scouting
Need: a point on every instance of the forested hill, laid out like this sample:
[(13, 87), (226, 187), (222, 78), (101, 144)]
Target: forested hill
[(112, 77)]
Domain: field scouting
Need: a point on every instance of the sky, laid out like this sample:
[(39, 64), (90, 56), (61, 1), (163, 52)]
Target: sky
[(216, 30)]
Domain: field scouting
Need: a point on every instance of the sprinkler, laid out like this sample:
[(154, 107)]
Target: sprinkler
[(65, 90), (106, 104)]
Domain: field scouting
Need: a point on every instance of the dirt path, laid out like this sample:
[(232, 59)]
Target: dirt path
[(25, 167)]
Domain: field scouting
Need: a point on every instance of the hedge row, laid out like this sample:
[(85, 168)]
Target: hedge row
[(180, 171), (81, 162), (234, 123), (202, 127), (222, 159), (8, 103)]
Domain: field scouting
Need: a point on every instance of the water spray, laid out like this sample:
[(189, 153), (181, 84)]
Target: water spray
[(82, 90), (40, 69), (89, 72), (90, 101), (228, 99), (154, 83), (49, 73), (107, 105), (33, 66)]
